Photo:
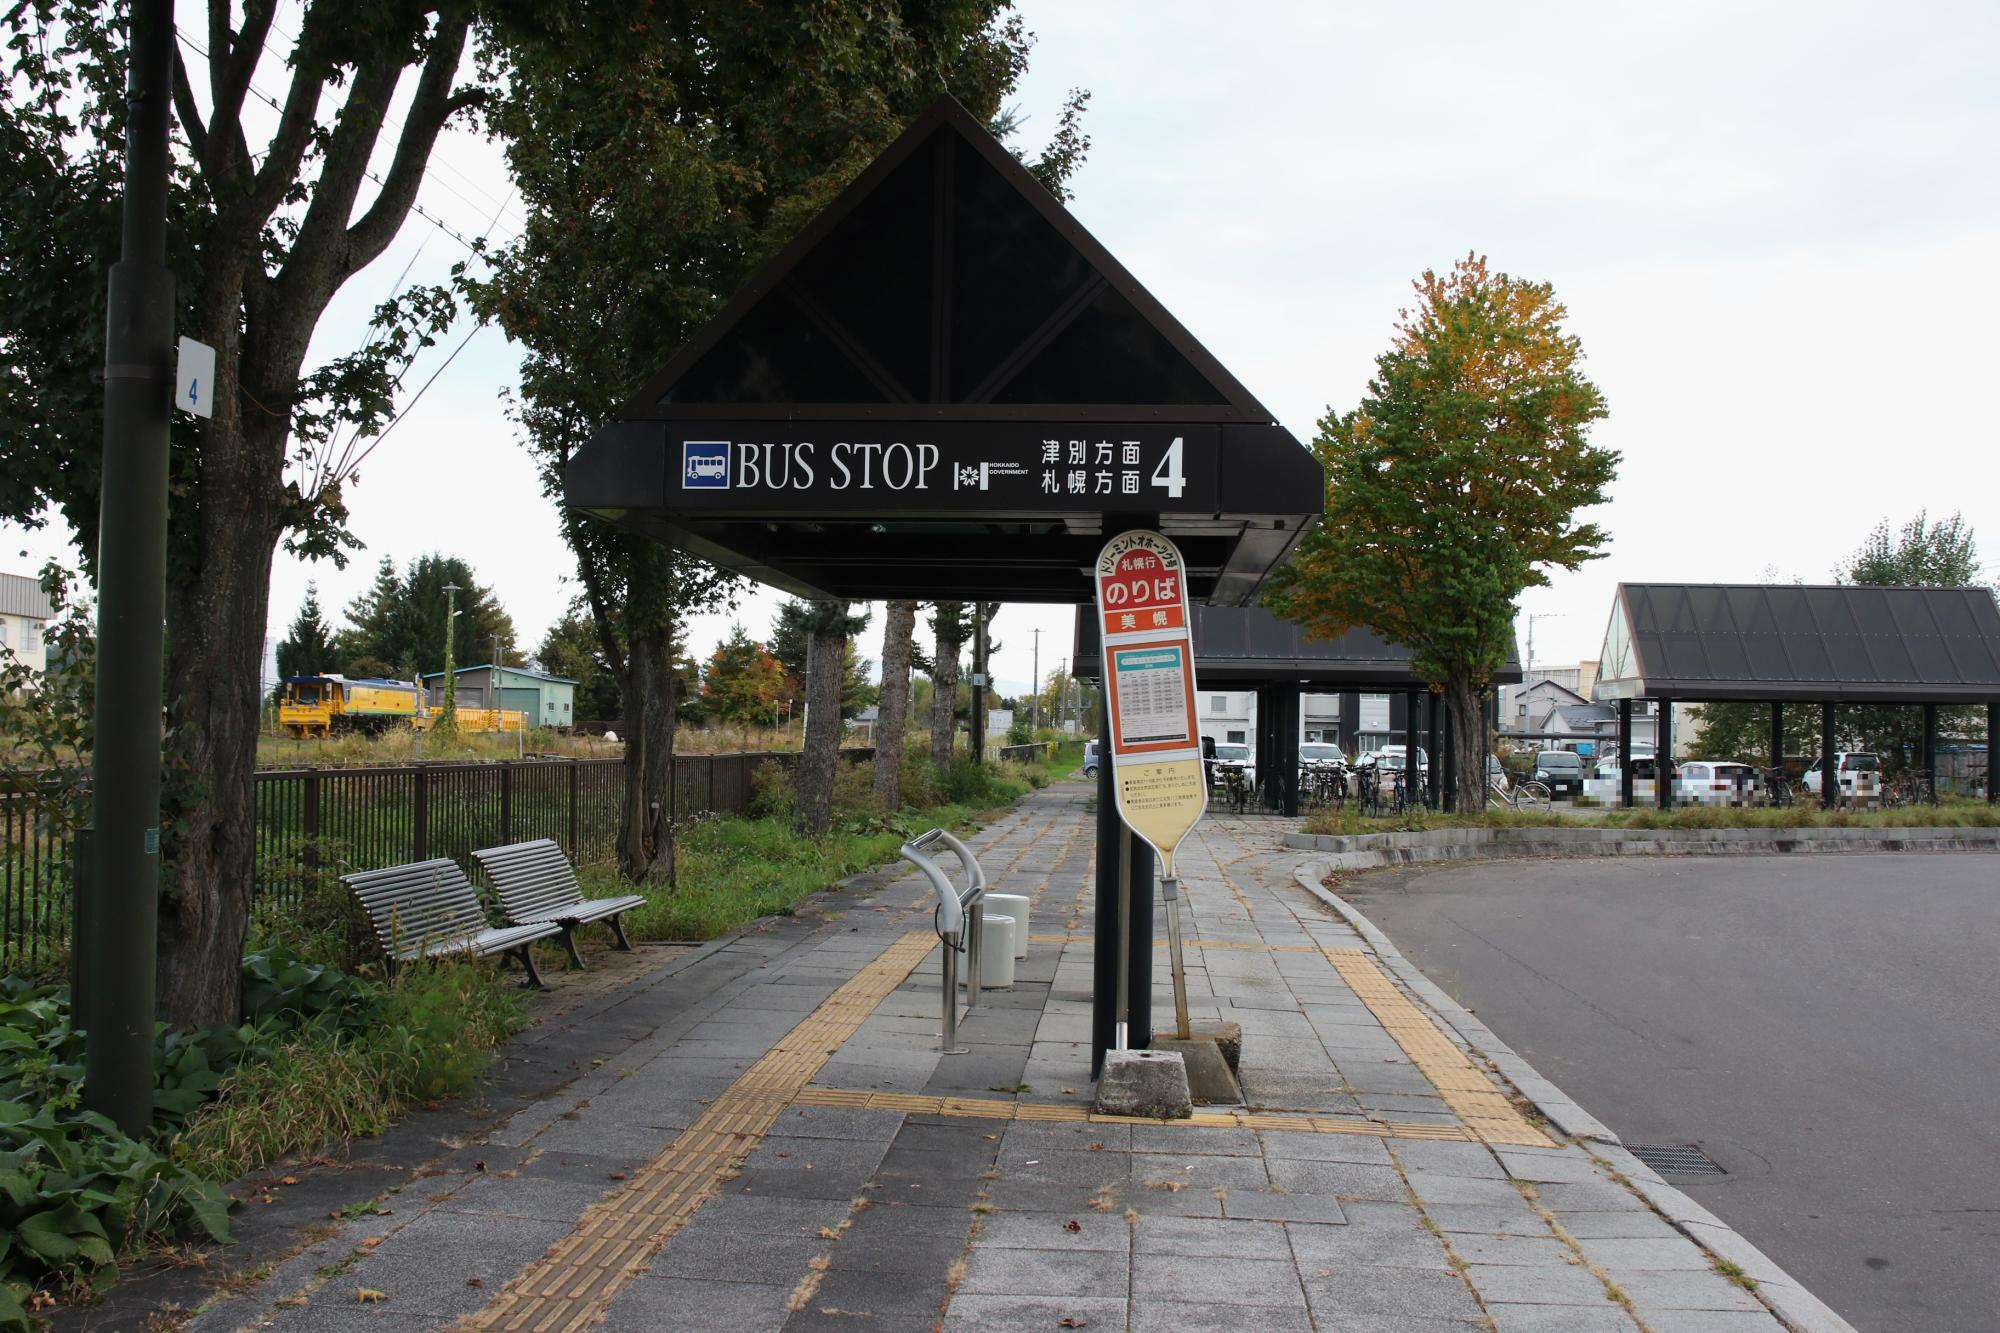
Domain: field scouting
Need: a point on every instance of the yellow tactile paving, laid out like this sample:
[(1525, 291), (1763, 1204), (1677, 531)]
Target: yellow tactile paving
[(1243, 945), (572, 1285), (985, 1108), (1482, 1108)]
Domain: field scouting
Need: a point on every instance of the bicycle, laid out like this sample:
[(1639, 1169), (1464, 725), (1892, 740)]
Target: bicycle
[(1530, 794), (1911, 788), (1777, 788), (1235, 790)]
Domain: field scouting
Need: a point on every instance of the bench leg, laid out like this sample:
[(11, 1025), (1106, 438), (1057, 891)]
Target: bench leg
[(569, 943), (527, 955), (618, 929)]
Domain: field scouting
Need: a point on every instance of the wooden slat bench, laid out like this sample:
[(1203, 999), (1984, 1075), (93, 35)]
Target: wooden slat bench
[(429, 908), (535, 884)]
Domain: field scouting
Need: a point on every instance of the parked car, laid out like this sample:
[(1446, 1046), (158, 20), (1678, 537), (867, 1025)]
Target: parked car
[(1090, 759), (1706, 782), (1496, 774), (1561, 771), (1860, 776), (1321, 752), (1397, 756)]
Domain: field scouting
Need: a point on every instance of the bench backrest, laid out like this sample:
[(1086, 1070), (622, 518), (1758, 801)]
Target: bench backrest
[(532, 879), (421, 903)]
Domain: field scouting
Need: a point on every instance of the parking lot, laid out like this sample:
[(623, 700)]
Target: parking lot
[(1822, 1026)]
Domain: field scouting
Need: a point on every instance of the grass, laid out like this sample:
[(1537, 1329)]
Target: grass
[(732, 871), (1949, 814), (402, 745)]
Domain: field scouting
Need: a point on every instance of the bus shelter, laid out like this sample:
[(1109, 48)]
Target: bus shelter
[(1792, 645), (945, 388), (1250, 649)]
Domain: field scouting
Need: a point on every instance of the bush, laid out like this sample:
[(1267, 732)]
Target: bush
[(771, 792)]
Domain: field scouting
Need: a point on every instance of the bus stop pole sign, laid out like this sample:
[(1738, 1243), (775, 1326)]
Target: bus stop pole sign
[(1154, 750)]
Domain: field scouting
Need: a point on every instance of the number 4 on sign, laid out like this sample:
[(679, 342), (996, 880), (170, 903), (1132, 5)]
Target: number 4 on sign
[(1168, 473), (194, 378)]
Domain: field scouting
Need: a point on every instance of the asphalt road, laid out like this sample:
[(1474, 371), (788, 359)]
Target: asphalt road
[(1825, 1027)]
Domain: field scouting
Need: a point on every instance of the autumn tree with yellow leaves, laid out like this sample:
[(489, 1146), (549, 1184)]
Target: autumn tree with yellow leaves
[(1454, 486)]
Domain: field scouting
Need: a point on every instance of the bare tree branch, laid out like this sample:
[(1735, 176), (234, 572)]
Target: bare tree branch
[(188, 113), (429, 109), (232, 59)]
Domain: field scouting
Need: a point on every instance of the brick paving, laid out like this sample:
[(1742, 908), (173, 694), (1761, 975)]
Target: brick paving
[(1416, 1214)]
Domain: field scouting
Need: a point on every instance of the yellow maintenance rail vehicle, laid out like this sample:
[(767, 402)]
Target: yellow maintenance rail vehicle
[(321, 706)]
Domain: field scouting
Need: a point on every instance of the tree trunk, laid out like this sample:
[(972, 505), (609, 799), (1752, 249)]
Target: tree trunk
[(1463, 699), (893, 709), (826, 661), (944, 697), (646, 825), (218, 600)]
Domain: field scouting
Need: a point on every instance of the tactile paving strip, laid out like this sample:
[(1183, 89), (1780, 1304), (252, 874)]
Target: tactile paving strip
[(986, 1108), (1465, 1089), (1248, 946), (572, 1285)]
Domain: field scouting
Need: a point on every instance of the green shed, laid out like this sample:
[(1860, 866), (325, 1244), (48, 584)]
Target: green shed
[(548, 701)]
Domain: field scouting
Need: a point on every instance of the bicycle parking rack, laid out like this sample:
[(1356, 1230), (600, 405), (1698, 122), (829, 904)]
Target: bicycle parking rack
[(959, 920)]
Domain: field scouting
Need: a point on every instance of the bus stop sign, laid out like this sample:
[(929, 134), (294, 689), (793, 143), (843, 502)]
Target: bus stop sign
[(1142, 603)]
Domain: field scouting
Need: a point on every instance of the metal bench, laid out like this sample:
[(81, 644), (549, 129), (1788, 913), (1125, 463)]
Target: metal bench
[(429, 908), (536, 884)]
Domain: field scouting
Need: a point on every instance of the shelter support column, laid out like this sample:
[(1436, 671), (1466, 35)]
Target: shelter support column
[(1449, 803), (1929, 759), (1777, 735), (1625, 753), (1663, 753), (1433, 708), (1284, 752), (1992, 752), (1829, 776)]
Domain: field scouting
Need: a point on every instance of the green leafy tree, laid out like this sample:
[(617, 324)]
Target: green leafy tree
[(1454, 486), (1919, 554), (742, 682), (307, 648), (571, 648), (655, 176), (857, 691), (400, 619), (271, 215)]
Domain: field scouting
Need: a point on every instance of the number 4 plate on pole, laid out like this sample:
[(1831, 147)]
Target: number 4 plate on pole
[(194, 378)]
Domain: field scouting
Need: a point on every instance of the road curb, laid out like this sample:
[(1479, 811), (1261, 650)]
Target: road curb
[(1368, 851), (1798, 1307)]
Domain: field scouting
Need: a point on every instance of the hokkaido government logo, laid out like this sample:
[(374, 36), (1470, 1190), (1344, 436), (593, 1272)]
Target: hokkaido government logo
[(705, 465)]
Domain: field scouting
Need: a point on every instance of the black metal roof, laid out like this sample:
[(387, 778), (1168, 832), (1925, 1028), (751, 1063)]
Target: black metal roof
[(946, 387), (1843, 643), (1251, 646)]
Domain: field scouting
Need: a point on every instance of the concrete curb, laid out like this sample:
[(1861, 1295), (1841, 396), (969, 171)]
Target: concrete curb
[(1368, 851), (1792, 1302)]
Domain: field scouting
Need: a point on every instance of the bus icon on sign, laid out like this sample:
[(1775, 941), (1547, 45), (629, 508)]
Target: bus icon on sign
[(705, 465)]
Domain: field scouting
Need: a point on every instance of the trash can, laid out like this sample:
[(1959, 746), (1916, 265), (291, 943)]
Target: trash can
[(1016, 906), (996, 970)]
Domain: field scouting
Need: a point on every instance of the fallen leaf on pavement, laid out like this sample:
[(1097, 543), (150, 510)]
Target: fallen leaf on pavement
[(368, 1295), (1072, 1225)]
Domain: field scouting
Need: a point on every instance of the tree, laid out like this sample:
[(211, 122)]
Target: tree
[(949, 625), (655, 176), (830, 625), (743, 681), (570, 648), (857, 692), (1454, 486), (263, 235), (893, 714), (1919, 554), (307, 648), (400, 619)]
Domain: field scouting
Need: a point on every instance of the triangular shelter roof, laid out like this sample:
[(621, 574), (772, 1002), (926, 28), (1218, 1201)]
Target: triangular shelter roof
[(1844, 643), (944, 386)]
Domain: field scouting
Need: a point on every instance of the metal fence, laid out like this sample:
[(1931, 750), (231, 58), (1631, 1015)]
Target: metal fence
[(363, 818)]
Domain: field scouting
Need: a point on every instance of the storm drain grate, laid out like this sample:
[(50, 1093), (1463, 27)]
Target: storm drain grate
[(1675, 1159)]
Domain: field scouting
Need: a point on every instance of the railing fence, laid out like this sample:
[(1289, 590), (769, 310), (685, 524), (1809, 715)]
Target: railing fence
[(310, 820)]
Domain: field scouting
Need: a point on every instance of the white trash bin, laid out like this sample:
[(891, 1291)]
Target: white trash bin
[(1016, 906), (996, 964)]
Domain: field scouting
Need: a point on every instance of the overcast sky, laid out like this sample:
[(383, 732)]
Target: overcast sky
[(1775, 227)]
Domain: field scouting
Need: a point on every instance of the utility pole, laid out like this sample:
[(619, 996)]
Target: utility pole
[(1035, 708), (450, 719), (119, 853)]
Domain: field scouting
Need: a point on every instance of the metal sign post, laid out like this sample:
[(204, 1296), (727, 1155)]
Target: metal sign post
[(1152, 749)]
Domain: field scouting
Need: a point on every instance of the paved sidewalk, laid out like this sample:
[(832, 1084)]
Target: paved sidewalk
[(773, 1141)]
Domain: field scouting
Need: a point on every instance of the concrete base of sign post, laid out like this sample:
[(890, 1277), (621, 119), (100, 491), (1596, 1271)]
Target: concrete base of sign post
[(1228, 1038), (1211, 1082), (1153, 1084)]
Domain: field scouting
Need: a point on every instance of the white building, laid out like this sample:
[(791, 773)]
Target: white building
[(1228, 717), (24, 612)]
